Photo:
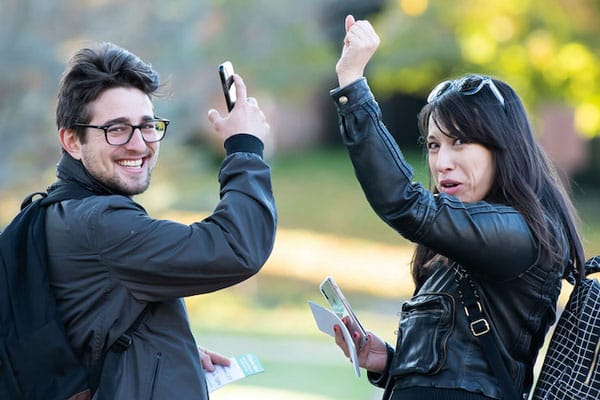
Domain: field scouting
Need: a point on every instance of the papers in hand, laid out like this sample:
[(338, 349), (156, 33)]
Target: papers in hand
[(241, 367), (325, 320)]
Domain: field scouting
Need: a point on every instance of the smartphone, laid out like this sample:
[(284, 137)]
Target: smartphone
[(340, 306), (226, 75)]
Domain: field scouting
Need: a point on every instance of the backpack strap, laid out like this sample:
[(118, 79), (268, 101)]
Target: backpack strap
[(29, 199), (65, 191), (481, 329), (60, 192), (110, 360)]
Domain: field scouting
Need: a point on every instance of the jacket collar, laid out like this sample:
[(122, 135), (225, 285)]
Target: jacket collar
[(70, 170)]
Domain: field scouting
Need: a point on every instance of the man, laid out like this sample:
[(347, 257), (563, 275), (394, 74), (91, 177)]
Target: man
[(110, 262)]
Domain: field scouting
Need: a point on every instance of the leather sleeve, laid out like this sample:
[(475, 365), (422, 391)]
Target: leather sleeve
[(381, 380), (468, 233)]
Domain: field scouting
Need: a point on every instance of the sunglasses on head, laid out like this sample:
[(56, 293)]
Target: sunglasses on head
[(467, 86)]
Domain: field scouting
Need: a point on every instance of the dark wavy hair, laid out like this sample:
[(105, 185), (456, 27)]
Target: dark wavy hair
[(524, 177), (93, 70)]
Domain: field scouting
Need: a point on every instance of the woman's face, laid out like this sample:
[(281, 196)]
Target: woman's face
[(463, 170)]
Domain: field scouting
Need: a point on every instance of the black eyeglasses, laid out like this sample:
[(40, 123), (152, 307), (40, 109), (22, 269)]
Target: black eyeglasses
[(467, 86), (153, 130)]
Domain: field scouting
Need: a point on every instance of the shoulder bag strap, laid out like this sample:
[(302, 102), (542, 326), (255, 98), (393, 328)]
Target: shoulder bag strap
[(111, 359), (481, 329)]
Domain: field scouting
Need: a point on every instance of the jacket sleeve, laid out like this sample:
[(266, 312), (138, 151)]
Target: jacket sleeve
[(161, 259), (381, 380), (466, 232)]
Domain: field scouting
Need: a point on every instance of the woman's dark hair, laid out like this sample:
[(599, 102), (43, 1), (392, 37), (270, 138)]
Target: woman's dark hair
[(524, 178), (90, 72)]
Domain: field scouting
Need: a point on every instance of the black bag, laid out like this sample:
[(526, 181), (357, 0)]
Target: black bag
[(36, 358), (571, 367)]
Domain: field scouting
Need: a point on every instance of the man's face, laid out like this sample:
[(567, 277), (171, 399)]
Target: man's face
[(127, 168)]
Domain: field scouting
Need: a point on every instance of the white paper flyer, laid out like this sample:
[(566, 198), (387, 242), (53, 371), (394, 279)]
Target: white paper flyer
[(241, 366), (325, 320)]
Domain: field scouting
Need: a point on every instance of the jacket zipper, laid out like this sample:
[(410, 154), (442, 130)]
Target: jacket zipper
[(155, 374)]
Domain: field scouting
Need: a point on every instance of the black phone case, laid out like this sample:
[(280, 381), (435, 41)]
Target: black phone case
[(226, 83)]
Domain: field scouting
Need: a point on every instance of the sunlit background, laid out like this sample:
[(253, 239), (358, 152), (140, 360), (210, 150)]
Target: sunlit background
[(548, 50)]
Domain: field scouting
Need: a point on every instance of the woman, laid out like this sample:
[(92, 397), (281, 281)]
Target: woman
[(497, 228)]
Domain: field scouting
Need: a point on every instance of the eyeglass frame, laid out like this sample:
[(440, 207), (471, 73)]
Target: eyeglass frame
[(105, 128), (444, 86)]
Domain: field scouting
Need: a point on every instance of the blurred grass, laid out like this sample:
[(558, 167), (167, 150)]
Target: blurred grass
[(318, 191), (269, 316)]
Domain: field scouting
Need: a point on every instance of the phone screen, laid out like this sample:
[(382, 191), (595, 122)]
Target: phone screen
[(226, 75), (340, 306)]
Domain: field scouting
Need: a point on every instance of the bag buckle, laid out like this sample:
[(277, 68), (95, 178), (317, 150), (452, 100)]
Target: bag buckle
[(479, 327), (122, 343), (478, 307)]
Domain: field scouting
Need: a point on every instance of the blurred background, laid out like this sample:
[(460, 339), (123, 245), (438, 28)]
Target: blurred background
[(548, 50)]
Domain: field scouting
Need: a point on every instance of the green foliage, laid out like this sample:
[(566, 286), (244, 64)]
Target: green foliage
[(547, 50)]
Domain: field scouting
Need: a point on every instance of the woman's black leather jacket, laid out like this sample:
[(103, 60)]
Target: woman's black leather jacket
[(435, 347)]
